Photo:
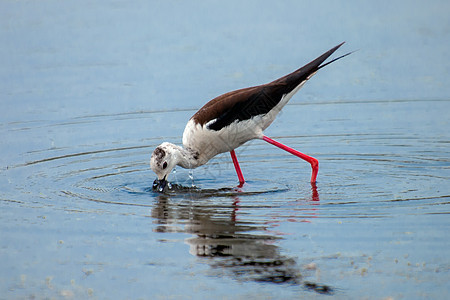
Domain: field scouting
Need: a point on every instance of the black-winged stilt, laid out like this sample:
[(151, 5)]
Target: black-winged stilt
[(228, 121)]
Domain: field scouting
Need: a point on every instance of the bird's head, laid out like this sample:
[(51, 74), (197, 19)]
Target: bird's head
[(162, 162)]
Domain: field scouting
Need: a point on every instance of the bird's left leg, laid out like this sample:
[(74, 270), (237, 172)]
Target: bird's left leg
[(237, 167), (313, 161)]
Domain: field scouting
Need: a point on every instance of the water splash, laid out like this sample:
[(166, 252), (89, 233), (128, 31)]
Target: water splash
[(191, 177), (174, 172)]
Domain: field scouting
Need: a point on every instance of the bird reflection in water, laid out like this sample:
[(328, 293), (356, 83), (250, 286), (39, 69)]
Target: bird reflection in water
[(240, 249)]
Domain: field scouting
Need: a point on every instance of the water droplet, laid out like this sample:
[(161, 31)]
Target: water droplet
[(191, 176), (174, 172)]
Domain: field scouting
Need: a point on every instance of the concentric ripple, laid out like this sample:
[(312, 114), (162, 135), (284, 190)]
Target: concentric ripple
[(374, 167)]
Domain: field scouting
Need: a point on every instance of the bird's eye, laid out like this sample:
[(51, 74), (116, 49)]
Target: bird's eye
[(164, 165)]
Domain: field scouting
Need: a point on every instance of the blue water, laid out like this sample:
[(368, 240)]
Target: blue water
[(88, 90)]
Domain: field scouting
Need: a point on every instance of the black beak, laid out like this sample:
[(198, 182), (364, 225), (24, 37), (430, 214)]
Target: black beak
[(160, 185)]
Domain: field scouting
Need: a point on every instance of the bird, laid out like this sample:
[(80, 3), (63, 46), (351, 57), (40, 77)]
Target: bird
[(232, 119)]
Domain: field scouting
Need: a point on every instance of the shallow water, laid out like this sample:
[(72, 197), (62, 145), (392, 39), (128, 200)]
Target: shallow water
[(78, 219), (78, 215)]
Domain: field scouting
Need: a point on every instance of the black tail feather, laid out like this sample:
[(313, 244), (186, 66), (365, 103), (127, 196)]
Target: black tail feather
[(335, 59)]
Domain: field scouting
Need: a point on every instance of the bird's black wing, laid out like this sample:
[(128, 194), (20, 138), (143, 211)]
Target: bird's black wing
[(247, 103)]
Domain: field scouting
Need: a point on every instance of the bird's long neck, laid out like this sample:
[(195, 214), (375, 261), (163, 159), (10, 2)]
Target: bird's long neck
[(186, 158)]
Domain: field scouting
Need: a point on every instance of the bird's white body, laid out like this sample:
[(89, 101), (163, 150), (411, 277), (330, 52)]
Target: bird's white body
[(208, 143)]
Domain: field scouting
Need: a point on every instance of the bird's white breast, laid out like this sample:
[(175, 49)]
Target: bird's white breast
[(208, 143)]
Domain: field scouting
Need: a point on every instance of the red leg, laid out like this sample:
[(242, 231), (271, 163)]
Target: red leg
[(314, 162), (237, 167)]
